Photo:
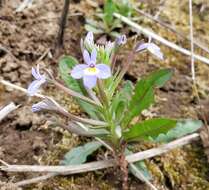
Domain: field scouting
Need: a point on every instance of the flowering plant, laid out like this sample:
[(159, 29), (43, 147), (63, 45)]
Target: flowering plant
[(112, 110)]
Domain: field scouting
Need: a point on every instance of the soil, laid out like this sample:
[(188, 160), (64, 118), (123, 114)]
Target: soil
[(27, 138)]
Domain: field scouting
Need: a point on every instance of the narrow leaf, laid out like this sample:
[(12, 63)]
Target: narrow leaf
[(79, 154), (109, 9), (139, 169), (182, 128), (142, 99), (149, 128), (160, 77)]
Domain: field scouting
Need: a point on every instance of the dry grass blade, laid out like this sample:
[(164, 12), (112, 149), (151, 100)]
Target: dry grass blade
[(192, 40), (7, 109)]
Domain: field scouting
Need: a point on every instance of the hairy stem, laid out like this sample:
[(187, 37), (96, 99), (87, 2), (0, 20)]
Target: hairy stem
[(102, 94), (83, 120), (74, 94)]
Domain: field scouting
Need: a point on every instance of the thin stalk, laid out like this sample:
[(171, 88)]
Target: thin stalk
[(74, 94), (192, 40), (102, 93), (62, 24), (128, 61), (93, 96), (83, 120)]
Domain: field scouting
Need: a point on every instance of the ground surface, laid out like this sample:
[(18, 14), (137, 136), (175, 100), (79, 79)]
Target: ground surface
[(25, 138)]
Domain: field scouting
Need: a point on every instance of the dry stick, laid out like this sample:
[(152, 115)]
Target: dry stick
[(60, 37), (36, 179), (159, 38), (7, 109), (7, 83), (66, 170), (192, 39), (172, 29)]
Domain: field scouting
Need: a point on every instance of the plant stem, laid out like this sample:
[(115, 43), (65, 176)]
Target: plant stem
[(63, 20), (102, 94), (83, 120), (73, 93)]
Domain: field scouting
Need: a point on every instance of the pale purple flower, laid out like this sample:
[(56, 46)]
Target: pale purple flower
[(39, 106), (90, 71), (89, 39), (46, 104), (121, 40), (40, 79), (152, 48)]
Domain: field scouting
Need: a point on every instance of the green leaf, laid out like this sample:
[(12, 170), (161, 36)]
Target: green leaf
[(79, 154), (124, 7), (160, 77), (66, 63), (182, 128), (138, 168), (143, 97), (121, 100), (149, 128), (109, 9), (144, 93)]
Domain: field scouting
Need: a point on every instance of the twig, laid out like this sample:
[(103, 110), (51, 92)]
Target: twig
[(43, 55), (172, 29), (8, 52), (7, 83), (36, 179), (67, 170), (4, 163), (63, 20), (6, 110), (192, 43), (159, 38)]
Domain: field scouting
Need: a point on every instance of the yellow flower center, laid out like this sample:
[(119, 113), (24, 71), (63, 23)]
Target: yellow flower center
[(91, 71)]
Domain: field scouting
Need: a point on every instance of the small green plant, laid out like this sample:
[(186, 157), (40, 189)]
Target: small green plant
[(113, 111), (105, 22)]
